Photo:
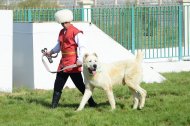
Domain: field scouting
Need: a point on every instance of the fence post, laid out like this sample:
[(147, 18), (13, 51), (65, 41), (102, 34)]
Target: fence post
[(115, 2), (86, 9), (160, 2), (186, 12), (29, 15), (133, 29), (180, 16), (137, 2)]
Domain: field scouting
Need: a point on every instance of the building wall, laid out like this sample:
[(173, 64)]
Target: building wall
[(29, 40), (45, 35), (23, 73), (6, 41)]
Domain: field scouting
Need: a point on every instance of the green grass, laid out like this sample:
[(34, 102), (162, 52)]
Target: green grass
[(167, 104)]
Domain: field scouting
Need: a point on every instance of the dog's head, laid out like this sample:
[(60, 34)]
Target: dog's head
[(90, 63)]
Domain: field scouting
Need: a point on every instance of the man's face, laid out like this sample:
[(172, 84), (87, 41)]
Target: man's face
[(63, 24)]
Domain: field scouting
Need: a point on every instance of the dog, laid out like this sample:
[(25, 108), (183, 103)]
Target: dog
[(105, 76)]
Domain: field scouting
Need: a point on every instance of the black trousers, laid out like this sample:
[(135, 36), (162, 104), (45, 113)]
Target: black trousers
[(77, 79)]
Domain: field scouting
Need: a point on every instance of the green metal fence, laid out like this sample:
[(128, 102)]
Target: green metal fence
[(41, 14), (158, 30)]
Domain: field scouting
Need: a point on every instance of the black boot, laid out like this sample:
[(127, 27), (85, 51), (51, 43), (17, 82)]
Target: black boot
[(92, 103), (55, 99)]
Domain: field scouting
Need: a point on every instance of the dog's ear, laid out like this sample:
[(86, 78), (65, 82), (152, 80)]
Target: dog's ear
[(85, 56), (95, 54)]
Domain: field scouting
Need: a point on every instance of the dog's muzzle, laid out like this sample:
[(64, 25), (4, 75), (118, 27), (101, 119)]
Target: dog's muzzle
[(92, 70)]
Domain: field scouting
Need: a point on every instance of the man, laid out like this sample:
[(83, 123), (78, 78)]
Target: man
[(71, 44)]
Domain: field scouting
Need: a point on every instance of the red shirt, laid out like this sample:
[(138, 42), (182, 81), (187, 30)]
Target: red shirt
[(68, 48)]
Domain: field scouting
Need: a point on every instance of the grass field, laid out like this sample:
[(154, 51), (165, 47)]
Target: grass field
[(167, 104)]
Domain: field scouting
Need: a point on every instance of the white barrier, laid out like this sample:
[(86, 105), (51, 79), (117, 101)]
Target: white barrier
[(6, 35)]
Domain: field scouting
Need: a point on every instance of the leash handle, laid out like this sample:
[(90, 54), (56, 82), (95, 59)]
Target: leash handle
[(49, 57), (64, 68), (51, 61)]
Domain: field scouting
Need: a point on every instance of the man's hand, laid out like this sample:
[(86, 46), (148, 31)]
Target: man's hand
[(79, 63), (48, 54)]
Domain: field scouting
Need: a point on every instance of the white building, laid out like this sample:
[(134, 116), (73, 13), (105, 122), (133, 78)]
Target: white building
[(6, 46)]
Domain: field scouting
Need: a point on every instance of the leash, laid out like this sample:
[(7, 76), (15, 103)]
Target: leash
[(51, 61)]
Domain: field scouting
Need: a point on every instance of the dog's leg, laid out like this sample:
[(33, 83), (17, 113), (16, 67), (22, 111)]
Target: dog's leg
[(139, 91), (135, 98), (111, 98), (141, 94), (85, 98), (142, 99)]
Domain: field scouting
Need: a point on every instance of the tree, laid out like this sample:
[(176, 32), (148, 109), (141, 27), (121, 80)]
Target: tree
[(37, 4)]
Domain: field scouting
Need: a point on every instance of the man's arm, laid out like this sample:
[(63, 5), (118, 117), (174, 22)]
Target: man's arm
[(56, 49), (80, 41)]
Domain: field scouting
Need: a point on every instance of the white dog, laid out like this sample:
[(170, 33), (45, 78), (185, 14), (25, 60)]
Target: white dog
[(128, 72)]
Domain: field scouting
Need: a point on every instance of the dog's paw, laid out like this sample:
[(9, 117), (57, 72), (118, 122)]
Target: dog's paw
[(140, 107), (112, 110), (135, 107), (78, 110)]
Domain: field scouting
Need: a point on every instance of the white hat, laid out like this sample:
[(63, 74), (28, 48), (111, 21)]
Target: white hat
[(64, 15)]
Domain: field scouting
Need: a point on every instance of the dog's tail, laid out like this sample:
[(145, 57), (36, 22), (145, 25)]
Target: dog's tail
[(139, 56)]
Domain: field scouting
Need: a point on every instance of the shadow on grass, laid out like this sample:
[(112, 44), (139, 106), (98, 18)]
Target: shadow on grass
[(40, 102), (47, 104), (24, 100), (73, 105), (76, 105)]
